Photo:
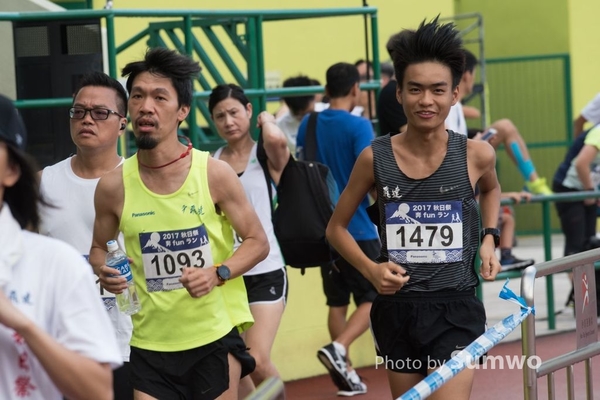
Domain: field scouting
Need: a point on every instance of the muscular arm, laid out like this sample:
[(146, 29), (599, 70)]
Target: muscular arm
[(586, 156), (108, 203), (275, 142), (75, 375), (386, 278), (482, 167), (578, 125), (471, 112), (228, 194)]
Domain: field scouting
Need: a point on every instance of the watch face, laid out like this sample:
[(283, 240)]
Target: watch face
[(224, 272)]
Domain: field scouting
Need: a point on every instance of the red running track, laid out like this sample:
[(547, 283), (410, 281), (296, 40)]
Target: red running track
[(489, 384)]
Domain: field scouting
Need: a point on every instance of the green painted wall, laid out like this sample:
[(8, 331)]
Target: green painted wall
[(585, 51), (517, 27)]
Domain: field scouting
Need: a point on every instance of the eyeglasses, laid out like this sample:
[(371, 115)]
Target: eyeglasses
[(96, 113)]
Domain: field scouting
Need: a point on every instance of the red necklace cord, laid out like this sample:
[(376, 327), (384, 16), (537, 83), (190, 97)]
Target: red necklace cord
[(182, 155)]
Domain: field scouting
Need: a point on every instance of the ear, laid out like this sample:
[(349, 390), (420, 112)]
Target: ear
[(398, 93), (455, 94), (249, 110), (182, 113), (123, 126), (356, 89)]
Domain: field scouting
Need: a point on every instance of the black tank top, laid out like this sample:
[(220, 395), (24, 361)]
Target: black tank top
[(429, 226)]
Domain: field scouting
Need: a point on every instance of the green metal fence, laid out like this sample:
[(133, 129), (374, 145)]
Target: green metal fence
[(194, 31), (535, 93), (546, 213)]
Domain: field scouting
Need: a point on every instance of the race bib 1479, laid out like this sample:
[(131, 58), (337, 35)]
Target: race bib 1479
[(424, 232)]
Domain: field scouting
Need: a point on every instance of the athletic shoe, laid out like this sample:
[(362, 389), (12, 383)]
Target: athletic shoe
[(539, 186), (336, 366), (358, 387), (513, 263)]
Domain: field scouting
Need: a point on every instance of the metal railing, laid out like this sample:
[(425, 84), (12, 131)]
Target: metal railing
[(545, 201), (270, 389), (549, 367)]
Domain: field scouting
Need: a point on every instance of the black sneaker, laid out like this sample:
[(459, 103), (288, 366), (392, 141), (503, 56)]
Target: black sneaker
[(336, 366), (514, 263)]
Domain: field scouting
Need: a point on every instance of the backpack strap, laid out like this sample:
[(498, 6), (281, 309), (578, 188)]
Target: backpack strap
[(310, 140), (261, 156)]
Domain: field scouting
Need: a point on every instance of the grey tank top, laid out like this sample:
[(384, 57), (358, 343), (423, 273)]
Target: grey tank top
[(429, 226)]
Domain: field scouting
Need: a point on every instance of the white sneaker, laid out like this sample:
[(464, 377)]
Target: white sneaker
[(357, 386)]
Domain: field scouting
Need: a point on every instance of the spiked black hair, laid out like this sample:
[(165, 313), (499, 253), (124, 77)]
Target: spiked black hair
[(430, 42), (179, 68)]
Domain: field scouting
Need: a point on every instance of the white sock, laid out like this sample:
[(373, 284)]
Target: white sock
[(340, 348)]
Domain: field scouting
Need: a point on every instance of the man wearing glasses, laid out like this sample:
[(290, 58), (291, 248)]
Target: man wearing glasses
[(97, 120)]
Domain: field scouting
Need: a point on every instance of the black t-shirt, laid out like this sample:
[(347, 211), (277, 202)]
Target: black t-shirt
[(389, 111)]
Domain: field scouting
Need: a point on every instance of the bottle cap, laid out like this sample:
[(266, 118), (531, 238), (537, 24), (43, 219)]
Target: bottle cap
[(112, 245)]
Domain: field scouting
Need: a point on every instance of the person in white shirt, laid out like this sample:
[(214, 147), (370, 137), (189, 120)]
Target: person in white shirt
[(297, 108), (55, 337), (590, 113), (97, 120)]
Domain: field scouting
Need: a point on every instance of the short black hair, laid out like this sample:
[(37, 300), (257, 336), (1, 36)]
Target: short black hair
[(470, 61), (222, 92), (341, 77), (395, 37), (298, 104), (100, 79), (386, 69), (430, 42), (179, 68)]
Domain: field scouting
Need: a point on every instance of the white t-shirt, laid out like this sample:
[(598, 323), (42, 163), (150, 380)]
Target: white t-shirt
[(289, 125), (591, 112), (72, 221), (255, 185), (455, 121), (357, 110), (51, 284)]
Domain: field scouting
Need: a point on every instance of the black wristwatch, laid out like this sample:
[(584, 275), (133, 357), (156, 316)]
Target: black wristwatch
[(495, 232), (223, 273)]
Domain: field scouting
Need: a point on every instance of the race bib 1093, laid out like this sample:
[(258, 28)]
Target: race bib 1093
[(165, 253)]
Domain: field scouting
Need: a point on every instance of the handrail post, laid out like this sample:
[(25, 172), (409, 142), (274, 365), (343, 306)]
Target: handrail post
[(110, 43), (528, 334), (548, 257), (189, 50)]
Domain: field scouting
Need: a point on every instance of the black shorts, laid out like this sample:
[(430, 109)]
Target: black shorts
[(415, 331), (339, 284), (122, 387), (237, 348), (269, 287), (196, 374)]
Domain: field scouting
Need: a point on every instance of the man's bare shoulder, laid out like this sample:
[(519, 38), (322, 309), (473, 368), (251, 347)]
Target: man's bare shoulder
[(110, 185), (220, 176), (481, 153)]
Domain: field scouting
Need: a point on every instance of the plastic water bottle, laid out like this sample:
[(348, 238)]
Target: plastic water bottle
[(128, 301)]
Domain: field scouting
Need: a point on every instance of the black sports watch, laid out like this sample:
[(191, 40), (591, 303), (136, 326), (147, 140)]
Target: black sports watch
[(495, 232), (223, 273)]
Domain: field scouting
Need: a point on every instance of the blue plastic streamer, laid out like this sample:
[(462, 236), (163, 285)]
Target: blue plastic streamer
[(470, 354)]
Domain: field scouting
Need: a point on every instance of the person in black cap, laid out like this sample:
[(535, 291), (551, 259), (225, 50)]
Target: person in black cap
[(55, 338)]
